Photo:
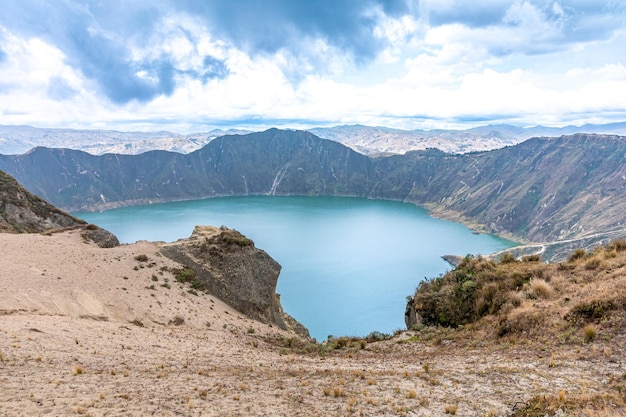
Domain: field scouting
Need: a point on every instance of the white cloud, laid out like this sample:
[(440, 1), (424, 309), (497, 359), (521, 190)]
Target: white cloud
[(522, 63)]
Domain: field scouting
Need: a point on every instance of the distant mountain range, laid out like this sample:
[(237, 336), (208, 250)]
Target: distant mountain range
[(374, 141), (541, 190), (385, 141), (20, 139)]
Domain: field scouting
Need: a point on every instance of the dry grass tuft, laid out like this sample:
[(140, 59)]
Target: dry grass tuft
[(538, 288), (577, 254), (594, 263), (334, 391), (589, 333)]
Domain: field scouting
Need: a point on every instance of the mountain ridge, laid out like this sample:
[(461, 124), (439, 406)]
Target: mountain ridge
[(542, 190)]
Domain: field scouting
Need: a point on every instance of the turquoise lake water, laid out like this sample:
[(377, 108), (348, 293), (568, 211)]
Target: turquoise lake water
[(348, 263)]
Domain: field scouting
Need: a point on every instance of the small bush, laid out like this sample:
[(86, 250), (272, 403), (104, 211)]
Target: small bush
[(593, 310), (577, 254), (450, 409), (338, 391), (377, 336), (520, 322), (232, 237), (185, 275), (508, 258), (177, 321), (531, 258), (340, 342), (514, 298), (141, 258)]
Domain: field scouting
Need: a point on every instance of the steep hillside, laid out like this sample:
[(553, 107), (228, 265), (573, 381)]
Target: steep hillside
[(556, 309), (542, 190), (527, 298), (385, 141), (23, 212), (377, 141)]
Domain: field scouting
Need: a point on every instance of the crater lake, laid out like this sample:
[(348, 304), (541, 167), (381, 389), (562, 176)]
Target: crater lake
[(348, 264)]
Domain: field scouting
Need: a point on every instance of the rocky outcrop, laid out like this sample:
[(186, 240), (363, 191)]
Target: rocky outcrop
[(24, 212), (100, 236), (411, 318), (229, 266)]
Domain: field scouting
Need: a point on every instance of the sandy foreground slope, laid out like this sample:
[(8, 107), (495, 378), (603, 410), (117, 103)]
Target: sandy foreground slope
[(92, 331)]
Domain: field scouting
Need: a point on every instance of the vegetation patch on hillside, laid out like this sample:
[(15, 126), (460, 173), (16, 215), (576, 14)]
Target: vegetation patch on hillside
[(527, 297)]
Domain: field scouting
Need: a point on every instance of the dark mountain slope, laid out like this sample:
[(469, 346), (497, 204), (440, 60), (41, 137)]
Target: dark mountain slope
[(271, 162), (540, 190), (281, 162), (78, 180), (537, 191)]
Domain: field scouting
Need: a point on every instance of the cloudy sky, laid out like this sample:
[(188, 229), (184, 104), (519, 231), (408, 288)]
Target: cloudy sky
[(191, 65)]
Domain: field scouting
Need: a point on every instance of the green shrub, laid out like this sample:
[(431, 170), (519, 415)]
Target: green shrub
[(185, 275), (476, 287), (377, 336), (233, 237)]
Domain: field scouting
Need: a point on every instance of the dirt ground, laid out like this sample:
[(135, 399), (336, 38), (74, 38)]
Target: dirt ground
[(92, 331)]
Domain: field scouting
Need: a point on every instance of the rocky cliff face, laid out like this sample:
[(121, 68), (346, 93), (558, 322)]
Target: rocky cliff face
[(229, 266), (23, 212)]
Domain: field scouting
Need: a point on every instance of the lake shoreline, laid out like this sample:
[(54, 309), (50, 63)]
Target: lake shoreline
[(338, 254)]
